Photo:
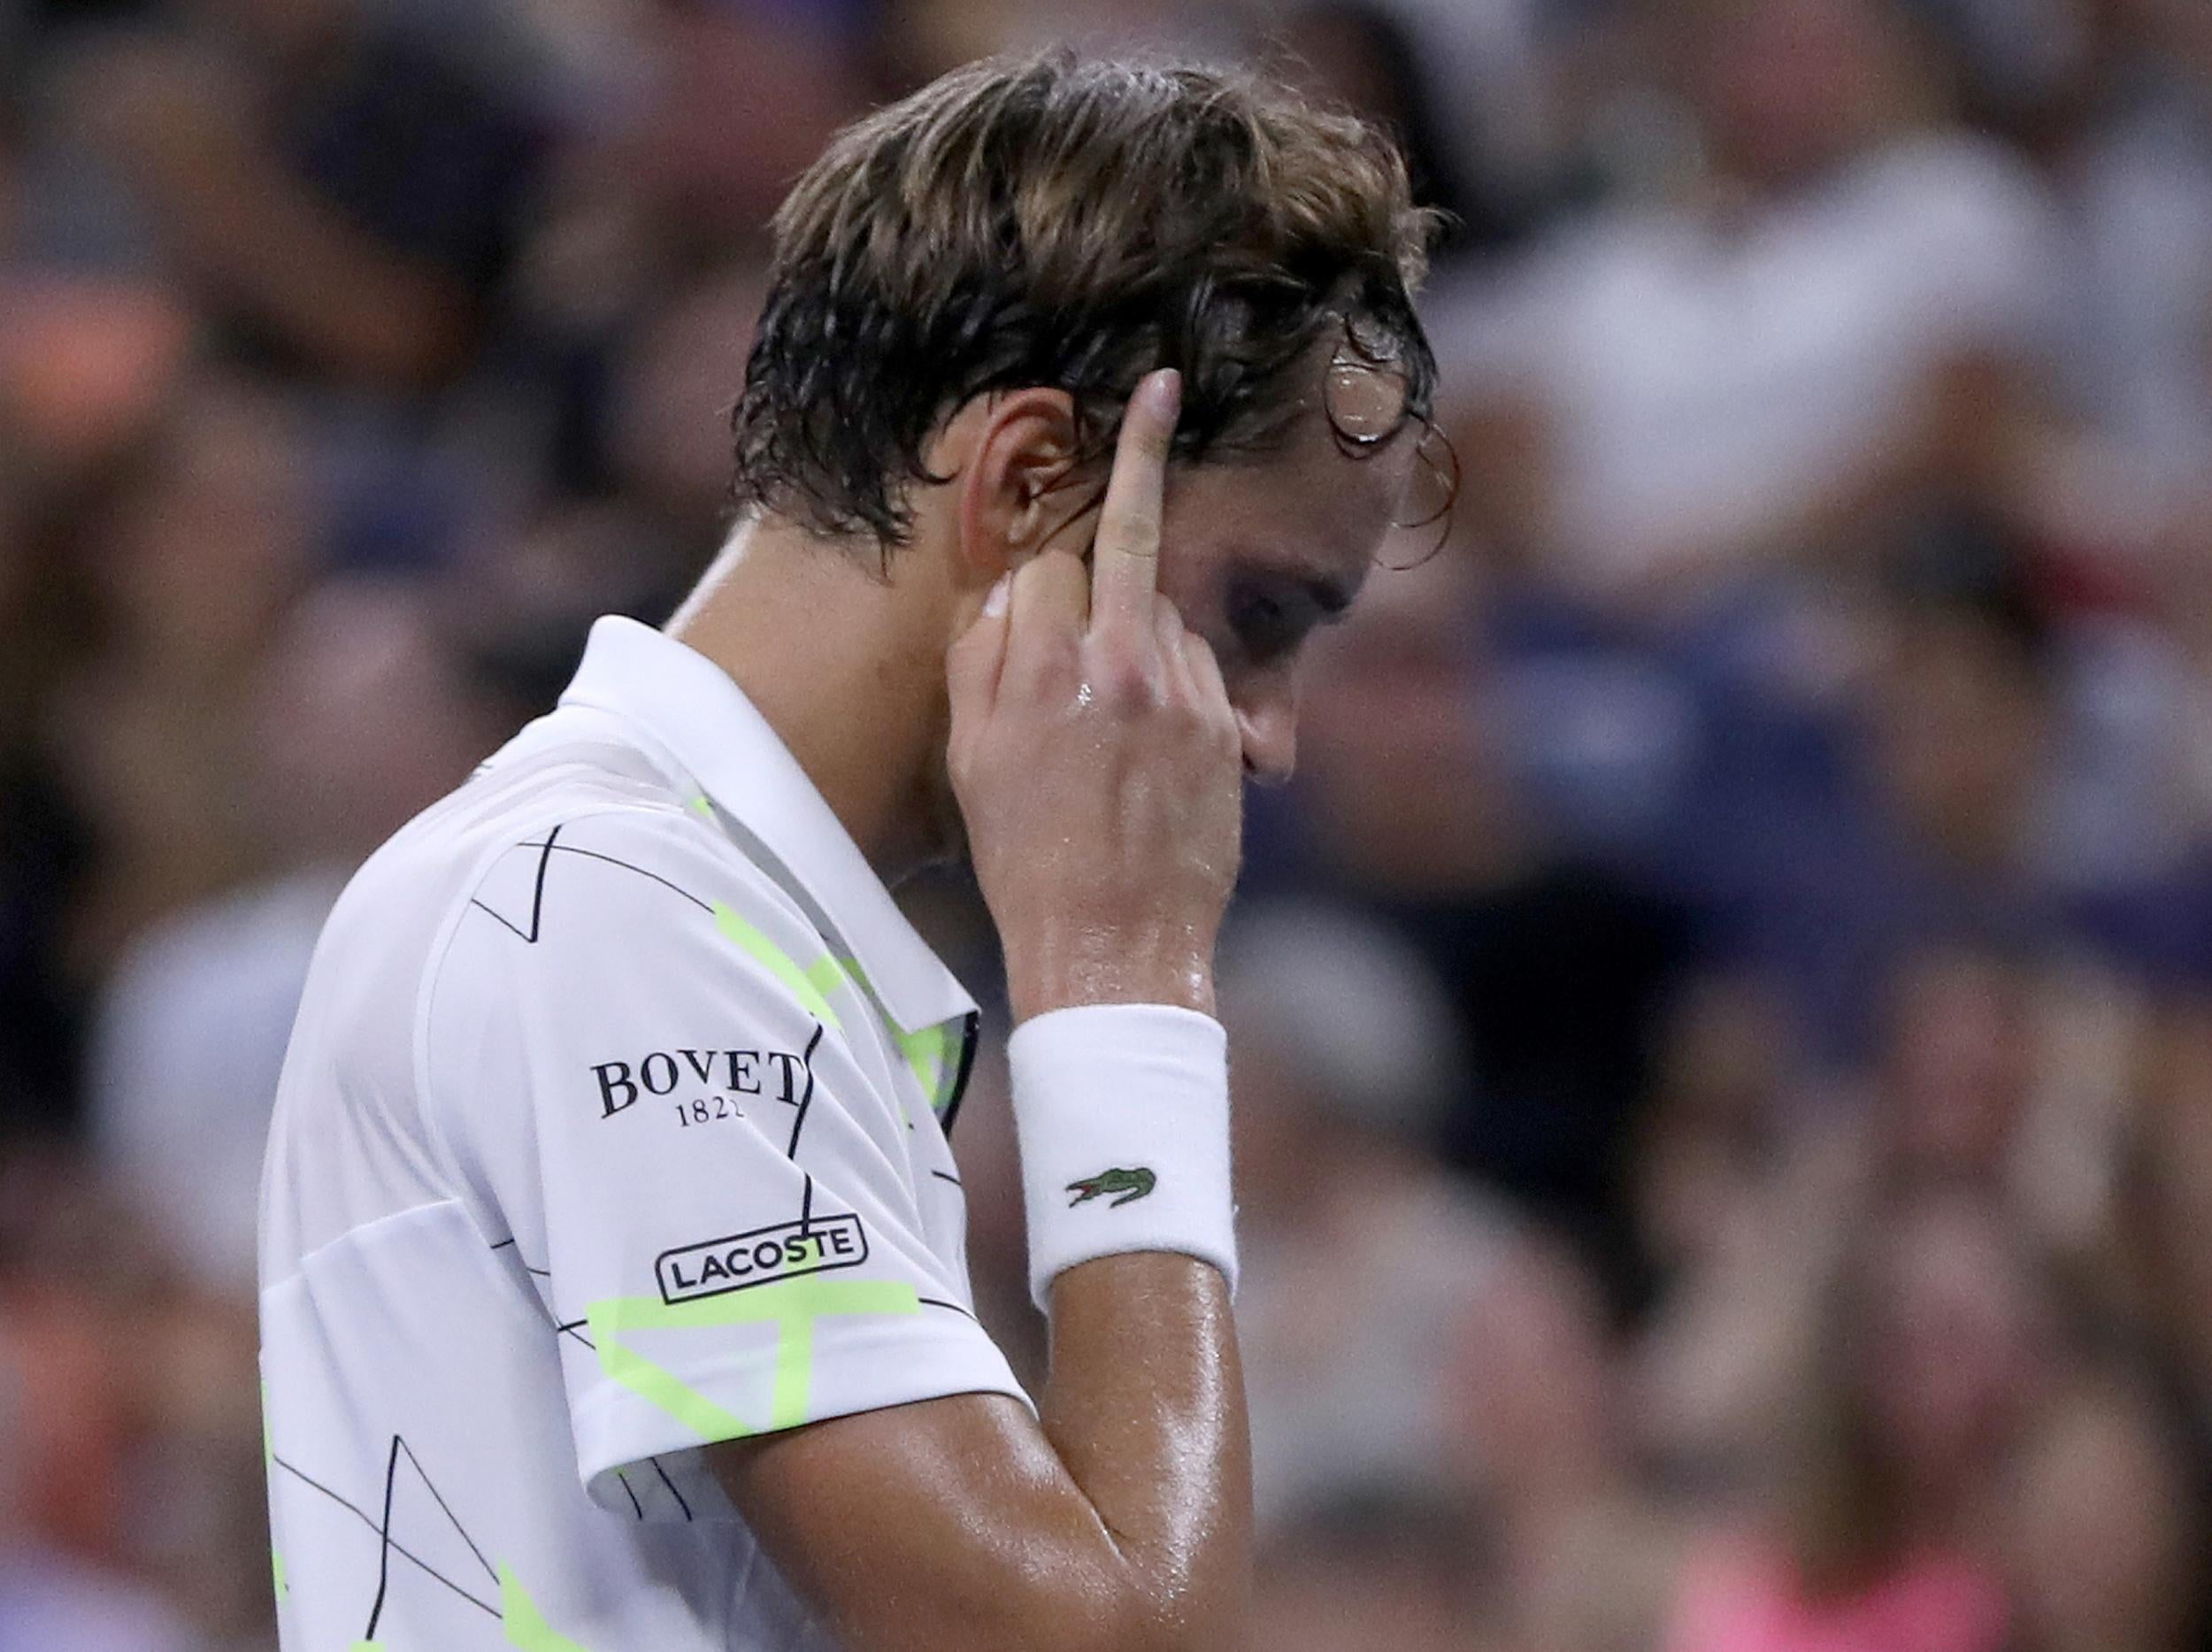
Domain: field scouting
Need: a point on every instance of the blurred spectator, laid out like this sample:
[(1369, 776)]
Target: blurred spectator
[(1358, 1263), (740, 99), (1915, 1382), (2165, 1205), (1584, 1554), (1368, 57), (1699, 389), (1708, 1151), (365, 714), (86, 358), (84, 1365), (2107, 1527), (1962, 1061), (1554, 967), (1920, 813), (48, 1601), (2116, 98), (669, 414), (192, 556), (1366, 1571), (345, 190), (85, 365)]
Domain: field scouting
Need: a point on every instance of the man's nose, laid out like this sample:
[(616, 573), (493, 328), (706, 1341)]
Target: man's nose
[(1270, 727)]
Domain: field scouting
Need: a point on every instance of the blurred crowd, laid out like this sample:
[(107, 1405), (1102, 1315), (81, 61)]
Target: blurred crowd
[(1723, 1018)]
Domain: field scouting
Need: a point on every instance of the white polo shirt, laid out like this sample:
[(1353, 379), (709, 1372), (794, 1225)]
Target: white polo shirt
[(611, 1126)]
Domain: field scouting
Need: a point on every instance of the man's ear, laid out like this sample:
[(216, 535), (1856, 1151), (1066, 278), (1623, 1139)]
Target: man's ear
[(1024, 450)]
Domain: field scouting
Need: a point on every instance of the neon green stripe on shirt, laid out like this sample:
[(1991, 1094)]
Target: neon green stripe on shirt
[(794, 1306), (526, 1626), (811, 986), (925, 1053)]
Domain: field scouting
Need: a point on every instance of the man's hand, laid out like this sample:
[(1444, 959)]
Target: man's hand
[(1097, 760)]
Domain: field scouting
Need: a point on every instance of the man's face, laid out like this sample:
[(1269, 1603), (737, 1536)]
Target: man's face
[(1258, 552)]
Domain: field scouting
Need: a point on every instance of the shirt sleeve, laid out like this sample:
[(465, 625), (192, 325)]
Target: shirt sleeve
[(646, 1068)]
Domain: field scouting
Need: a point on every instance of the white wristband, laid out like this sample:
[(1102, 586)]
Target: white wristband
[(1122, 1115)]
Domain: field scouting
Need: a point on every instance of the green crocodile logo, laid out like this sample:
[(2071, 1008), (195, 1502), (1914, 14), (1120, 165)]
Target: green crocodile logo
[(1130, 1184)]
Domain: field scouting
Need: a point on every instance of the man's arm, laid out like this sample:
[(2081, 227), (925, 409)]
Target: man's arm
[(1099, 769), (1121, 1522)]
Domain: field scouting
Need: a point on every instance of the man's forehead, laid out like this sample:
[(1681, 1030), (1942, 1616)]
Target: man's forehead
[(1345, 466), (1319, 502)]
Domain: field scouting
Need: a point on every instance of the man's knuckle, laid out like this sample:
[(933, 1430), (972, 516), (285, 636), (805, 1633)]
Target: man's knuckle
[(1041, 655), (1123, 680)]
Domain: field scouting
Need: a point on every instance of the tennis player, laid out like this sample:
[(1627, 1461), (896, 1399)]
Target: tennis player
[(614, 1291)]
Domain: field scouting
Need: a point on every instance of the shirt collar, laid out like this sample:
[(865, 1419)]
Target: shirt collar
[(689, 706)]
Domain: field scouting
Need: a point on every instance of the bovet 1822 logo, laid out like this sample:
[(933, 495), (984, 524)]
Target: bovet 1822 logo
[(785, 1251), (623, 1084)]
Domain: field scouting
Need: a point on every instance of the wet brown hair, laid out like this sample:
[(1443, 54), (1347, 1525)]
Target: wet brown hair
[(1050, 221)]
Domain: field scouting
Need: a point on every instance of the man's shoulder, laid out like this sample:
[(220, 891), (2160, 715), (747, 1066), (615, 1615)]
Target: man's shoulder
[(565, 844), (507, 810), (516, 833)]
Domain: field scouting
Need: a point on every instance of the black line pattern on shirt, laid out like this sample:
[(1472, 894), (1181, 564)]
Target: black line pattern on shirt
[(537, 900), (672, 1492), (946, 1175), (446, 1508), (547, 849), (393, 1544), (384, 1543), (971, 1036), (400, 1448), (593, 853), (570, 1328), (806, 1098)]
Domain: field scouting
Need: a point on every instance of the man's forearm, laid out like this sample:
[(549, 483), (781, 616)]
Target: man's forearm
[(1145, 1406), (1122, 1111)]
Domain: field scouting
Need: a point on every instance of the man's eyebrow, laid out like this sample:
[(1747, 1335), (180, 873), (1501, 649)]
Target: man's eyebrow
[(1330, 591)]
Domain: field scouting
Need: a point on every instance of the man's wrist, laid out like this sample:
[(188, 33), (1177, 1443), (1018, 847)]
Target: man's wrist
[(1122, 1112), (1110, 968)]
